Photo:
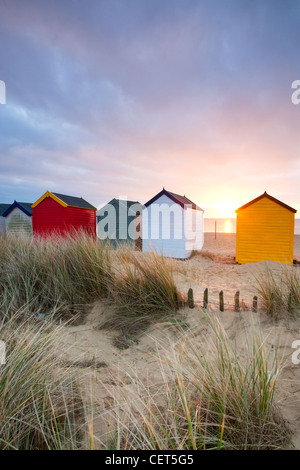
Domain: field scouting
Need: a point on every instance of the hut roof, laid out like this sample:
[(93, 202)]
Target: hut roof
[(23, 206), (265, 194), (75, 201), (178, 199), (119, 202), (3, 208), (66, 200)]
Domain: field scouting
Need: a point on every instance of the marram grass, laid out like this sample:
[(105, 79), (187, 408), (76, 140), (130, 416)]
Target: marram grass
[(55, 274), (40, 406), (280, 295), (142, 290), (211, 397), (65, 276)]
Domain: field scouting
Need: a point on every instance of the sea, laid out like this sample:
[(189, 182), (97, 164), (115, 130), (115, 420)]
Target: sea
[(228, 225)]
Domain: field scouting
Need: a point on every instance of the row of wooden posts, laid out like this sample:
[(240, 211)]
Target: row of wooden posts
[(237, 308)]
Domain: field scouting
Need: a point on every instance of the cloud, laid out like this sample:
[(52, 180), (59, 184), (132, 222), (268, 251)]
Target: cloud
[(109, 97)]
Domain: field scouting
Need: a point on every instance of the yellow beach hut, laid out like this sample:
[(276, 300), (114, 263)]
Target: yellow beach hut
[(265, 231)]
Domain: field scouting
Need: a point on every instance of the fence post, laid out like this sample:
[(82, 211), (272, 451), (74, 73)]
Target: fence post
[(237, 301), (254, 307), (205, 298), (290, 302), (221, 297), (271, 307), (191, 298)]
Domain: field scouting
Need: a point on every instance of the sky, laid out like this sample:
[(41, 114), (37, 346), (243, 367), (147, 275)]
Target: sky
[(120, 98)]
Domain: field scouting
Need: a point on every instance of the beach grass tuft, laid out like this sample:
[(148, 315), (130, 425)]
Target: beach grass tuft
[(63, 277), (280, 295), (56, 275), (211, 397), (141, 291), (40, 407)]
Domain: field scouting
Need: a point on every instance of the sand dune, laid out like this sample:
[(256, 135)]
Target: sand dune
[(212, 268)]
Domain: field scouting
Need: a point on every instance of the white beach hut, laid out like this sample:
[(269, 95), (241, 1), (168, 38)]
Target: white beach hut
[(18, 218), (3, 208), (172, 225)]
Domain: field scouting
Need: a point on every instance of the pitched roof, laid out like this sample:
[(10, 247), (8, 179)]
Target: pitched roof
[(65, 200), (3, 208), (265, 194), (181, 200), (115, 202), (74, 201), (23, 206)]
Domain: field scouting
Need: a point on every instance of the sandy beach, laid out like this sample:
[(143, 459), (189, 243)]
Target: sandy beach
[(224, 244), (213, 268)]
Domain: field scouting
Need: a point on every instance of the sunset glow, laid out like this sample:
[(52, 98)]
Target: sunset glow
[(228, 227), (113, 98), (222, 209), (150, 208)]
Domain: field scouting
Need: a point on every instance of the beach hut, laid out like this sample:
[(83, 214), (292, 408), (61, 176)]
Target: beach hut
[(116, 221), (172, 225), (3, 208), (265, 231), (18, 218), (55, 213)]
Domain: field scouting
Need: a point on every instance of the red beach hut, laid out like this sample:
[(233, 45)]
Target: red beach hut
[(55, 213)]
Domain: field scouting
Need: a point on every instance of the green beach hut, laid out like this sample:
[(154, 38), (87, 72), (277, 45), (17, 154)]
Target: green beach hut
[(116, 221)]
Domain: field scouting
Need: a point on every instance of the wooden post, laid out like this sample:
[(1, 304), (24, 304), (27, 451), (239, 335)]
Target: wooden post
[(221, 297), (205, 298), (237, 301), (271, 307), (254, 308), (290, 302), (191, 298)]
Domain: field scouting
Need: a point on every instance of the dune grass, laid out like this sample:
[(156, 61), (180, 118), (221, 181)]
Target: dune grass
[(142, 290), (280, 295), (52, 275), (210, 397), (63, 277), (214, 399), (213, 394), (40, 406)]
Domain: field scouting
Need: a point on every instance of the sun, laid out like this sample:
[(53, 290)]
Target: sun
[(228, 226), (226, 209), (222, 207)]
